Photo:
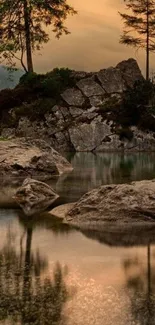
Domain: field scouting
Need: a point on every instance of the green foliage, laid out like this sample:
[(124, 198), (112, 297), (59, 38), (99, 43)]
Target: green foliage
[(137, 101), (56, 81), (29, 78), (23, 27), (35, 110), (139, 26), (50, 84), (125, 133)]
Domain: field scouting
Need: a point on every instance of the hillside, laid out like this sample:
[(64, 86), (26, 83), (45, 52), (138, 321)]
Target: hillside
[(7, 79)]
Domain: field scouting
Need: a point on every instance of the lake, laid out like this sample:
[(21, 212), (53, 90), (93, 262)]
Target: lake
[(51, 274)]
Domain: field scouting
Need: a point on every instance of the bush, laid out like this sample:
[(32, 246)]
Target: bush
[(50, 84), (136, 101), (56, 82), (125, 133), (35, 110)]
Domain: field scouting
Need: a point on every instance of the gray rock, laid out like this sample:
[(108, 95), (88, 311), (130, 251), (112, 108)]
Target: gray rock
[(130, 71), (78, 75), (8, 133), (73, 97), (75, 111), (118, 204), (34, 196), (111, 80), (90, 88), (64, 112), (30, 157), (87, 137), (61, 210), (96, 100)]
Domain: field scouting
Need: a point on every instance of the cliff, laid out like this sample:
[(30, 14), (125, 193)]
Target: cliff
[(78, 111)]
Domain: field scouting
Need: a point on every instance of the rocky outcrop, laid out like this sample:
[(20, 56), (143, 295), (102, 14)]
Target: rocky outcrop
[(130, 71), (34, 196), (118, 204), (82, 120), (111, 80), (73, 97), (30, 158)]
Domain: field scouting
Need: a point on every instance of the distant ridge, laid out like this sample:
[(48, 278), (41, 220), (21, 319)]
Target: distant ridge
[(8, 80)]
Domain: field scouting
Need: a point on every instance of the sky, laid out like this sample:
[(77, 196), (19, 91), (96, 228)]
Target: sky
[(94, 40)]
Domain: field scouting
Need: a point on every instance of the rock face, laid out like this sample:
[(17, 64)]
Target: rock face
[(73, 97), (80, 121), (90, 88), (30, 158), (111, 80), (118, 204), (130, 71), (34, 196)]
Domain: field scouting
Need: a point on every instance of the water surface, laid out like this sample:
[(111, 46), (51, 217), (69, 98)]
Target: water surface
[(52, 274)]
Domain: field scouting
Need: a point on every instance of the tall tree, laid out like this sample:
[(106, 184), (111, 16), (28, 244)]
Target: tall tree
[(23, 27), (139, 27)]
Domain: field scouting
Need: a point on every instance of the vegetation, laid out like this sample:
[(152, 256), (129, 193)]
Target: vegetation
[(139, 27), (22, 27), (34, 96)]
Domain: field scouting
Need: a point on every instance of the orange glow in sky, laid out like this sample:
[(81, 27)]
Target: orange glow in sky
[(94, 40)]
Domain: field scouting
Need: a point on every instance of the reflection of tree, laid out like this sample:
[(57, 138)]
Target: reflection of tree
[(25, 298), (141, 288)]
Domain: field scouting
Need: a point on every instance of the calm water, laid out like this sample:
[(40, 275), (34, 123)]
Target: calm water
[(51, 274)]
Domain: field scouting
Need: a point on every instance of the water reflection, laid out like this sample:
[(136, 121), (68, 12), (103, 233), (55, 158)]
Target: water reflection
[(140, 287), (92, 170), (27, 296)]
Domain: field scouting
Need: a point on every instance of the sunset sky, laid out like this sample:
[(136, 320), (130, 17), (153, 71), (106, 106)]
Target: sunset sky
[(94, 40)]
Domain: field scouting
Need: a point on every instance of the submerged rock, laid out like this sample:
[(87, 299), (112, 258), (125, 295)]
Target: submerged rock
[(34, 196), (30, 158), (117, 204)]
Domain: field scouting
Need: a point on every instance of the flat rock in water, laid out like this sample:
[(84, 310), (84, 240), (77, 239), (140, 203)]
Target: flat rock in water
[(62, 210), (115, 204), (34, 196), (20, 157)]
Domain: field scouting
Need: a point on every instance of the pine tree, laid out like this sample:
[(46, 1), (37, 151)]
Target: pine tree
[(139, 27), (23, 27)]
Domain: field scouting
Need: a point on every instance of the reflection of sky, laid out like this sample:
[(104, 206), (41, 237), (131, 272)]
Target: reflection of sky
[(94, 40), (95, 272)]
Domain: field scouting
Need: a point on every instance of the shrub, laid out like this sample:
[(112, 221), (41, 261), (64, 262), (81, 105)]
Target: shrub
[(50, 84), (35, 110), (136, 101), (125, 133), (56, 81)]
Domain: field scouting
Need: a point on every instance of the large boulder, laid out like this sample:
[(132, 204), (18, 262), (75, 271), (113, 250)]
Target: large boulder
[(87, 137), (115, 204), (73, 97), (111, 80), (34, 196), (30, 158), (90, 87), (130, 71)]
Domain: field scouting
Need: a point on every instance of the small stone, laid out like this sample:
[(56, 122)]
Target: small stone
[(75, 111), (34, 196)]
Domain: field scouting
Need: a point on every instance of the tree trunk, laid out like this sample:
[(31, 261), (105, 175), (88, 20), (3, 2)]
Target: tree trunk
[(28, 37), (147, 41)]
